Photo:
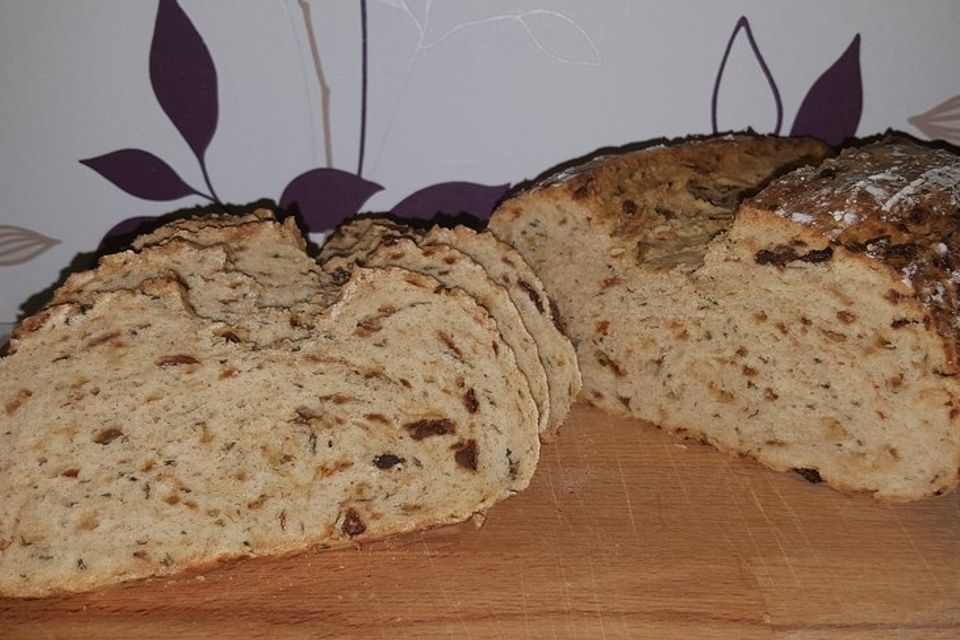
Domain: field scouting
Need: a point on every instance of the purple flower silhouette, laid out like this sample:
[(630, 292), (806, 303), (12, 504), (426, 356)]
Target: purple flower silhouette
[(743, 26)]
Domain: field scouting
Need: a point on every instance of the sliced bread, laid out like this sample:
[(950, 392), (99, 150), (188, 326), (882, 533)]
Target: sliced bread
[(506, 266), (141, 438), (455, 269)]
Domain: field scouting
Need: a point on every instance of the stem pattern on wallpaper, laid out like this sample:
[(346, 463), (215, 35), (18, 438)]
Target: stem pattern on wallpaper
[(537, 24), (184, 83), (363, 85), (321, 81)]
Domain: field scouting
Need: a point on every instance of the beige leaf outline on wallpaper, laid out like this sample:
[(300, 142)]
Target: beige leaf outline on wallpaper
[(941, 122), (536, 23), (19, 245), (545, 28), (321, 80)]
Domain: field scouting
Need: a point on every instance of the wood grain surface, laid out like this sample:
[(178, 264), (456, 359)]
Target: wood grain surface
[(624, 533)]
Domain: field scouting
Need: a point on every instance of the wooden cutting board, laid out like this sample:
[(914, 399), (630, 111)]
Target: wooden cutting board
[(625, 532)]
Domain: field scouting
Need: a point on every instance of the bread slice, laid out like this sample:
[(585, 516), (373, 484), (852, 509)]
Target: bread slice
[(813, 331), (506, 266), (223, 228), (455, 269), (362, 235), (141, 438)]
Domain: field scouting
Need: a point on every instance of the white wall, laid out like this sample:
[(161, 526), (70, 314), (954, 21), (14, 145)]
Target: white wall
[(490, 92)]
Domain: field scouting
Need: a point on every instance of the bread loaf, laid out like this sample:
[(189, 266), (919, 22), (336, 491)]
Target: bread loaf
[(148, 429), (815, 330)]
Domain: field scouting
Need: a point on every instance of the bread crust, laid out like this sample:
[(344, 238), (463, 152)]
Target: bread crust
[(893, 204)]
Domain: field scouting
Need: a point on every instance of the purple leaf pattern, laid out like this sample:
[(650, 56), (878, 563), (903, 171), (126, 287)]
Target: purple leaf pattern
[(183, 77), (451, 198), (19, 245), (832, 108), (326, 197), (141, 174), (743, 26), (364, 64), (941, 122)]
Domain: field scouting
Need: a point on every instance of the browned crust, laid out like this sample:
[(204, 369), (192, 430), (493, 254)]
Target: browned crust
[(363, 235), (155, 285), (664, 204), (713, 169), (895, 204), (228, 227), (604, 191)]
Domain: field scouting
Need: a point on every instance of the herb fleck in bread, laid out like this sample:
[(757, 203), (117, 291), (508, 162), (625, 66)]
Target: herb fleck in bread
[(815, 330), (141, 437)]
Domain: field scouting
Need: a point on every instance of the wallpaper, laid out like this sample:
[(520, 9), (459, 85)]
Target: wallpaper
[(412, 107)]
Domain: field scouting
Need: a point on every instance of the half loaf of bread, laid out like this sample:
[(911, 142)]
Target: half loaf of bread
[(814, 330)]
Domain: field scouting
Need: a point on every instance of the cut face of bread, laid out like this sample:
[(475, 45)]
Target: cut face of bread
[(815, 331), (506, 266), (456, 269), (361, 236), (141, 438), (249, 272)]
